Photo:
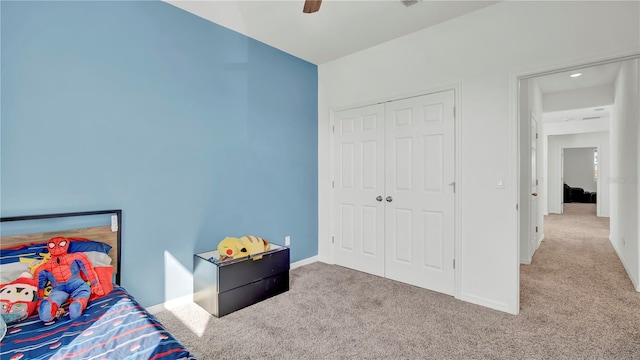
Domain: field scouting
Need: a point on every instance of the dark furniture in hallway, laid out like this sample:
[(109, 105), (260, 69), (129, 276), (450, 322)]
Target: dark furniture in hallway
[(578, 195)]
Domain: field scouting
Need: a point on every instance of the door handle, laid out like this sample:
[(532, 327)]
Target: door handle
[(379, 198), (534, 194), (389, 199)]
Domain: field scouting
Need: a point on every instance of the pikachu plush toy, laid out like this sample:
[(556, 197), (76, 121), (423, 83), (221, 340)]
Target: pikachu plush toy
[(234, 248)]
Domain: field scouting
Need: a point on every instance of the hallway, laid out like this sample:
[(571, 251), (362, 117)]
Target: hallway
[(577, 285)]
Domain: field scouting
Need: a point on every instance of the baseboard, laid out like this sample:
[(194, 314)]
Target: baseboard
[(486, 303), (635, 282), (303, 262), (529, 260), (541, 239), (171, 304)]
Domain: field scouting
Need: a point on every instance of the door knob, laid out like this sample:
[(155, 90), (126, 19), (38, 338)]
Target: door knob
[(389, 199), (534, 194), (379, 198)]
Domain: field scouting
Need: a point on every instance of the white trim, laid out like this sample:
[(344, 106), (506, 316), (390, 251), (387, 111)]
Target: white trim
[(325, 260), (526, 261), (514, 130), (635, 282), (303, 262), (433, 90), (500, 306), (170, 304), (457, 206), (457, 228), (580, 64), (332, 191)]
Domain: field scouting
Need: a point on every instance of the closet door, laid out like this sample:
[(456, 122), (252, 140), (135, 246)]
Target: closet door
[(419, 200), (359, 189)]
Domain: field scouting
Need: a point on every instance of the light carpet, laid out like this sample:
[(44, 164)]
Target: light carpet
[(576, 303)]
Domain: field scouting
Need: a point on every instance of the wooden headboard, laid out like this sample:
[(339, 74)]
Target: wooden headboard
[(103, 234)]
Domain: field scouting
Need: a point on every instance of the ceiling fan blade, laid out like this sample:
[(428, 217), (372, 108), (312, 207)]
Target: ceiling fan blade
[(311, 6)]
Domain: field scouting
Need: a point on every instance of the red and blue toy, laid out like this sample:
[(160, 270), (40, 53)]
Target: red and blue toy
[(63, 271)]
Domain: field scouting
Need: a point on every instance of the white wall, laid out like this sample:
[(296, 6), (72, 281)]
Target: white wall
[(556, 143), (578, 99), (482, 53), (624, 169), (579, 168)]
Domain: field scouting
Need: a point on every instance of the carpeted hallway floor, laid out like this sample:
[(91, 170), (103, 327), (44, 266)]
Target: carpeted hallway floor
[(576, 303)]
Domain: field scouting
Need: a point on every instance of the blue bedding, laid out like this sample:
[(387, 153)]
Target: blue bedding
[(112, 327)]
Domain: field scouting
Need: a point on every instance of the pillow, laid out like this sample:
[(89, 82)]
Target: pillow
[(105, 278), (18, 299), (3, 328), (84, 245), (98, 258), (14, 254), (12, 271)]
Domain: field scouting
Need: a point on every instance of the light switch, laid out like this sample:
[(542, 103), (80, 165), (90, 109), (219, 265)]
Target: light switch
[(500, 182)]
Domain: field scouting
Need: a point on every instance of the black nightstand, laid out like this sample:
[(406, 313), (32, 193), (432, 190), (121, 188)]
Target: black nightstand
[(227, 286)]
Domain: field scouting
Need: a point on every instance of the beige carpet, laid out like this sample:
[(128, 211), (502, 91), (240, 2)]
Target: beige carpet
[(576, 303)]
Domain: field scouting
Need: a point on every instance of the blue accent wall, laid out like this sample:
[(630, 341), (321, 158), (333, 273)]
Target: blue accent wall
[(196, 132)]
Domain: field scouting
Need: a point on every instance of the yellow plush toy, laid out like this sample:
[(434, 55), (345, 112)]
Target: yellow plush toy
[(233, 248), (254, 245), (33, 264)]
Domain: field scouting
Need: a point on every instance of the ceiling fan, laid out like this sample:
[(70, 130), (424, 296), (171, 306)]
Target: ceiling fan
[(311, 6)]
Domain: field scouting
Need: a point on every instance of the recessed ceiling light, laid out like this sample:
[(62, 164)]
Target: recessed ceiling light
[(575, 75)]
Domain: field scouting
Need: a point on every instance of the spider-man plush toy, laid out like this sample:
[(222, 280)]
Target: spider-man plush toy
[(63, 271)]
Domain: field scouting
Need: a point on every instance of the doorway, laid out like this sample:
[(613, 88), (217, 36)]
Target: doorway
[(580, 180), (594, 116)]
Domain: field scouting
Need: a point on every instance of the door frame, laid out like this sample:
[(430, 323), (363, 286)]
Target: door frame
[(561, 184), (456, 87), (595, 146), (515, 131)]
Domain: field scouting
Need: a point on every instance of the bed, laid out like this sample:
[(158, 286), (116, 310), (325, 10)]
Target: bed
[(113, 326)]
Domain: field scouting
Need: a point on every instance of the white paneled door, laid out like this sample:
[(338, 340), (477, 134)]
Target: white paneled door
[(416, 190), (533, 211), (420, 168), (358, 181)]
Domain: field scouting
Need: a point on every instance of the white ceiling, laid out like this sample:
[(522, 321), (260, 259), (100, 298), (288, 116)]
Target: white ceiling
[(343, 27), (592, 76), (340, 28)]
